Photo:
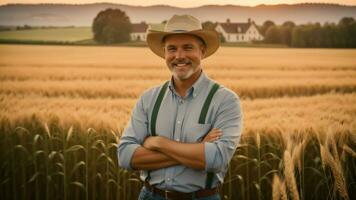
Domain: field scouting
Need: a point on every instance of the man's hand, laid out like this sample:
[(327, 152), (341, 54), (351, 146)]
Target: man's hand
[(213, 135), (188, 154), (152, 142)]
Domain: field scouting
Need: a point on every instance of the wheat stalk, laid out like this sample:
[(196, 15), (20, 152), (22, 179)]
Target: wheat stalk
[(283, 190), (276, 184), (289, 174), (336, 170), (349, 150)]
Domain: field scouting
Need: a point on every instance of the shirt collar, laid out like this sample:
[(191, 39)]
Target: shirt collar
[(199, 85)]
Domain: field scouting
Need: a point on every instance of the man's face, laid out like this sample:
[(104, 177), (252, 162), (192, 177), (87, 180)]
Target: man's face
[(183, 54)]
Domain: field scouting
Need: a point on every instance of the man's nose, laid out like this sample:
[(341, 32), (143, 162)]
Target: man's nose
[(180, 54)]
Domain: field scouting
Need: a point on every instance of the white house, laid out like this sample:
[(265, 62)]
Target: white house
[(239, 32), (139, 31)]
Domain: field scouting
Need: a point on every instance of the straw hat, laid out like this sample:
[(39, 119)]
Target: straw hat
[(183, 24)]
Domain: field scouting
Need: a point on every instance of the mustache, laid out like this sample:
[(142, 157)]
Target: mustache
[(181, 61)]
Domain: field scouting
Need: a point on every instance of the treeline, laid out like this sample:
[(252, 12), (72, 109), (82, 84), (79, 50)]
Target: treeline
[(340, 35)]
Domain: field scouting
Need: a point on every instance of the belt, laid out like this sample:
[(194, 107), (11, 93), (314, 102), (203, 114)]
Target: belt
[(175, 195)]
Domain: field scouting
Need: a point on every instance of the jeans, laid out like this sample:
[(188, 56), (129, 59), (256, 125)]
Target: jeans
[(146, 194)]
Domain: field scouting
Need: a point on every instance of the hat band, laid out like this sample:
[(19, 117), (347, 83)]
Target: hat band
[(179, 31)]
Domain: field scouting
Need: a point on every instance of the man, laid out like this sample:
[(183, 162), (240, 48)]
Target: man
[(182, 134)]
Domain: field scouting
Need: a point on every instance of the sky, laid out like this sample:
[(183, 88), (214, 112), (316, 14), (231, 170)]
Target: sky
[(185, 3)]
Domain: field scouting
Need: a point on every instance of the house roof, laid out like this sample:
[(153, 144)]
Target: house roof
[(233, 27), (139, 28), (157, 27)]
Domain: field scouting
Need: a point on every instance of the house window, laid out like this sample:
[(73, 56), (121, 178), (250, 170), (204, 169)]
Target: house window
[(228, 37), (237, 37), (242, 37)]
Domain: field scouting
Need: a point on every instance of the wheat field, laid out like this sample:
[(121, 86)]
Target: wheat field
[(63, 109)]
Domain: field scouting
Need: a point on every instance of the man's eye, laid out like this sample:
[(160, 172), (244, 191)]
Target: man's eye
[(188, 48), (171, 49)]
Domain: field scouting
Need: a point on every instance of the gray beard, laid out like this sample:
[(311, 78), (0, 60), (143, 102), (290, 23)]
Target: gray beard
[(187, 76)]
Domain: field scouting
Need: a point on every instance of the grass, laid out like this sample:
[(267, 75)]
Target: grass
[(64, 108), (69, 34)]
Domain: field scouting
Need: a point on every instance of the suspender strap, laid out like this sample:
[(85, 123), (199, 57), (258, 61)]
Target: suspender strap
[(207, 102), (155, 114), (156, 108), (203, 113), (209, 180)]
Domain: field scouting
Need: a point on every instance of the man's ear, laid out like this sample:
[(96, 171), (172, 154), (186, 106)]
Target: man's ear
[(203, 50), (163, 46)]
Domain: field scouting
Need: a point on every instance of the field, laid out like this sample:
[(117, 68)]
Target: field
[(82, 36), (68, 34), (63, 109)]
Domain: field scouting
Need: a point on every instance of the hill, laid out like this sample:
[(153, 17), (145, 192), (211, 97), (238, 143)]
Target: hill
[(83, 14)]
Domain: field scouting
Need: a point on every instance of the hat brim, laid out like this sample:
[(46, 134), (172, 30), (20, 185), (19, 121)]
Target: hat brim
[(210, 37)]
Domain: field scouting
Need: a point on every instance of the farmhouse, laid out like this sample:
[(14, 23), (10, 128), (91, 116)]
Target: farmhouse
[(232, 32), (239, 32), (139, 31)]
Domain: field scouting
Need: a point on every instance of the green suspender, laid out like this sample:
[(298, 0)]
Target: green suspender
[(204, 111), (156, 108), (155, 114), (207, 102)]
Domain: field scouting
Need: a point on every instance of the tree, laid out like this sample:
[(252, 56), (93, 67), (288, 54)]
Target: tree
[(286, 32), (289, 24), (265, 26), (208, 25), (297, 37), (346, 29), (273, 35), (222, 38), (346, 21), (111, 26)]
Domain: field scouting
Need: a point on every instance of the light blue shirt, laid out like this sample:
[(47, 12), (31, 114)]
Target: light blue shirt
[(178, 120)]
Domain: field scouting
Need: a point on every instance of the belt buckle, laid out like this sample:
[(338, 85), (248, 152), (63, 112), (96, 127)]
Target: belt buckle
[(166, 192)]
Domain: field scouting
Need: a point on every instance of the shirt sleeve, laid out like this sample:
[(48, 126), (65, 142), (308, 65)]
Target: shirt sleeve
[(133, 136), (229, 120)]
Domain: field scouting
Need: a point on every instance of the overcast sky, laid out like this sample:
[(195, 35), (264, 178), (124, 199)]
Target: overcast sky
[(184, 3)]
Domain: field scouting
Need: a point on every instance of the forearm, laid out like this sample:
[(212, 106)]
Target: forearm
[(145, 159), (189, 154)]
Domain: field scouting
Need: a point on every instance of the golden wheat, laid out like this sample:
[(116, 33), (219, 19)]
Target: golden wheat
[(75, 103), (289, 175), (225, 58), (328, 160)]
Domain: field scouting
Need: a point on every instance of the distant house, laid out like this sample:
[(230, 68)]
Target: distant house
[(138, 32), (157, 27), (239, 32)]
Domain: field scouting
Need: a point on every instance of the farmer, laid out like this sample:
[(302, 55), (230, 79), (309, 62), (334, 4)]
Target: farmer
[(183, 133)]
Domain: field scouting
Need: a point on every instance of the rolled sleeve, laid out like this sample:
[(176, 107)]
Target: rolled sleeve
[(125, 155), (133, 136), (229, 120)]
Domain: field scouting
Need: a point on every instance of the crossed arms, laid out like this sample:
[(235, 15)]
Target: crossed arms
[(136, 151), (160, 152)]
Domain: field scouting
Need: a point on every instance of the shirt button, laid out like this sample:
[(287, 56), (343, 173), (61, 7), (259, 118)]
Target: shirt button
[(168, 179), (177, 139), (194, 95), (178, 122)]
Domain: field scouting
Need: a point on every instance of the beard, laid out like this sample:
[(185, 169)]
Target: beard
[(182, 70), (183, 76)]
